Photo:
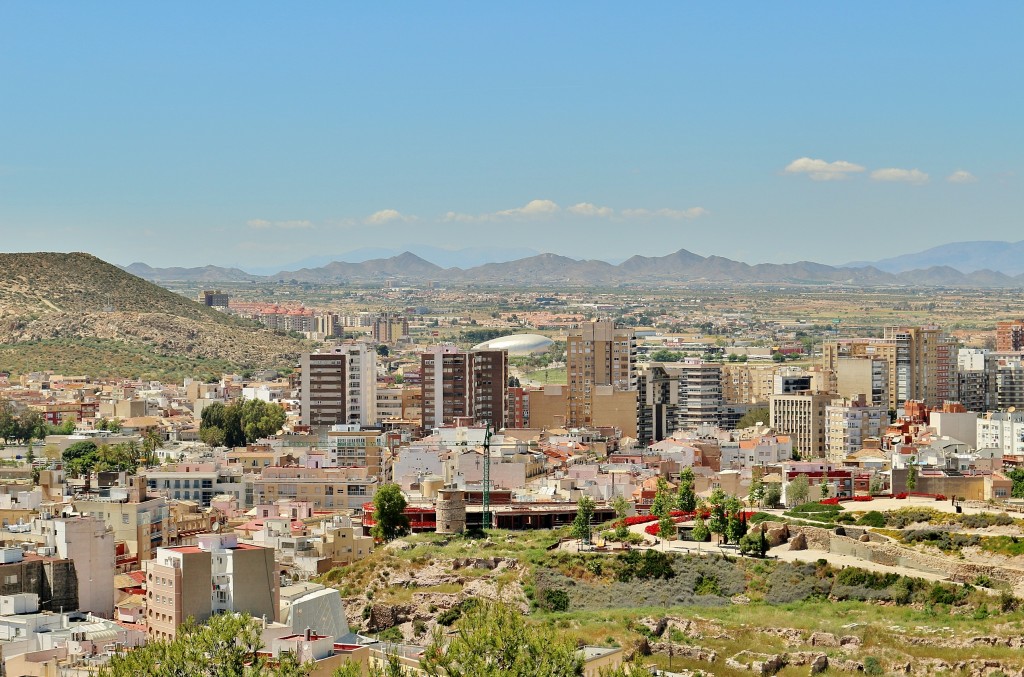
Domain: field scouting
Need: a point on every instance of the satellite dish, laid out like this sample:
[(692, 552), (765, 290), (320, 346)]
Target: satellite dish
[(216, 527), (1011, 410)]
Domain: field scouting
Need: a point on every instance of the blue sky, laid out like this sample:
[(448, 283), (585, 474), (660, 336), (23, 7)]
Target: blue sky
[(261, 134)]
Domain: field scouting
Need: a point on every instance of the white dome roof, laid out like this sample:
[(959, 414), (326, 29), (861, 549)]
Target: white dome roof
[(517, 344)]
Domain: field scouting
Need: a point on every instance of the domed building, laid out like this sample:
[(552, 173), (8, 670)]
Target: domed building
[(518, 345)]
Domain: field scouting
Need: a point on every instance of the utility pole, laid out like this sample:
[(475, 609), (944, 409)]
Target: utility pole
[(486, 516)]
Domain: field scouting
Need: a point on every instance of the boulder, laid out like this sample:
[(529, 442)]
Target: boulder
[(819, 664), (799, 542), (777, 536), (850, 642), (824, 639), (864, 538)]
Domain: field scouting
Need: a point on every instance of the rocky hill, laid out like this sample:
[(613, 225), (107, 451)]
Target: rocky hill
[(92, 310)]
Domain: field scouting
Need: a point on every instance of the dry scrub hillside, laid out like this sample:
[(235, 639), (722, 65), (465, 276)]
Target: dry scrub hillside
[(80, 308)]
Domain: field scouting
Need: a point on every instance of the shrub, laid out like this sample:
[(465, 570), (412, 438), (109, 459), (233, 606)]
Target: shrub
[(555, 600), (872, 666), (944, 594), (872, 518), (706, 585), (419, 627), (1007, 602), (982, 581), (449, 616), (392, 634)]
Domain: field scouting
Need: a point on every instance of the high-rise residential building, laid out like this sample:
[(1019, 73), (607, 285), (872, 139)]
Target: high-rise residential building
[(1004, 381), (676, 396), (597, 354), (339, 386), (802, 416), (466, 385), (388, 327), (867, 375), (971, 378), (747, 383), (921, 362), (220, 575), (1010, 336), (849, 422)]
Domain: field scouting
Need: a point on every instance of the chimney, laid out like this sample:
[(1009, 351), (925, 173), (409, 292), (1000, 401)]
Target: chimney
[(309, 634)]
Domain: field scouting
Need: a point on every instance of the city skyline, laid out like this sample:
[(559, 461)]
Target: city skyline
[(202, 135)]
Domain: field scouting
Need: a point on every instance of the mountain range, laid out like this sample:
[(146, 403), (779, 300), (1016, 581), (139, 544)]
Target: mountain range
[(966, 257), (679, 267)]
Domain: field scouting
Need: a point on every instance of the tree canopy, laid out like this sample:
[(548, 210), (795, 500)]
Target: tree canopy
[(584, 515), (239, 423), (224, 646), (389, 519)]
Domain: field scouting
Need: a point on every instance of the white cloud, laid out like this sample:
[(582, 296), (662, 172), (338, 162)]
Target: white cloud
[(962, 176), (386, 215), (900, 175), (548, 208), (821, 170), (589, 209), (263, 224), (532, 208), (460, 217), (678, 214)]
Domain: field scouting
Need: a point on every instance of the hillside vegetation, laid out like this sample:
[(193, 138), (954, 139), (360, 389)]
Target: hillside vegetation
[(76, 313)]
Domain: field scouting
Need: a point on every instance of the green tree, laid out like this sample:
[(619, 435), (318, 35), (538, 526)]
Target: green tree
[(620, 505), (8, 421), (80, 457), (259, 419), (753, 417), (227, 645), (686, 496), (736, 526), (778, 357), (912, 474), (584, 515), (875, 487), (666, 529), (718, 521), (662, 504), (700, 531), (389, 517), (798, 489), (493, 640), (114, 426), (773, 495), (757, 493), (1017, 477)]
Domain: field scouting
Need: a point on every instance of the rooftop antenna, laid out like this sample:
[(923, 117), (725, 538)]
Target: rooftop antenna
[(487, 476)]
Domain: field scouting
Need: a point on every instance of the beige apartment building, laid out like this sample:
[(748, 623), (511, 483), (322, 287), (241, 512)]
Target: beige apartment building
[(218, 575), (322, 488), (851, 421), (597, 355), (921, 362), (802, 416)]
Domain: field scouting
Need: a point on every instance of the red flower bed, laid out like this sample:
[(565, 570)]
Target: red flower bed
[(901, 495), (940, 497), (639, 519), (829, 501), (862, 499)]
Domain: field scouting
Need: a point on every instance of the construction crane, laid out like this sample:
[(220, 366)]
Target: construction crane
[(486, 516)]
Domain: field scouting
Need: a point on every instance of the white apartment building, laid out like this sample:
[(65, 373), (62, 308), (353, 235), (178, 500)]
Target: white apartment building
[(339, 386), (198, 482), (851, 421), (1002, 430)]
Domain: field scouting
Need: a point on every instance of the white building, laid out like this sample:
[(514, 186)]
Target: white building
[(339, 386), (849, 422), (1002, 430)]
